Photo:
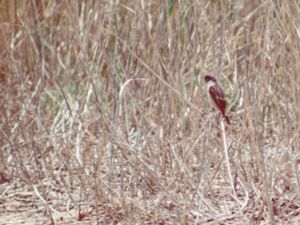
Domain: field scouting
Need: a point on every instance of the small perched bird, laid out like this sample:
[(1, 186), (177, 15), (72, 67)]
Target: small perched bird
[(216, 96)]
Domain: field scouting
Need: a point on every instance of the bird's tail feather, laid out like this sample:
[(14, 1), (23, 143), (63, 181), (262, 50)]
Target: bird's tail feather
[(227, 119)]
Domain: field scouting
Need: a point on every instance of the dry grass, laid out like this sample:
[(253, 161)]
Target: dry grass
[(104, 117)]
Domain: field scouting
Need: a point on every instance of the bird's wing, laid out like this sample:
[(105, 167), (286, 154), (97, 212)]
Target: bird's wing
[(218, 97)]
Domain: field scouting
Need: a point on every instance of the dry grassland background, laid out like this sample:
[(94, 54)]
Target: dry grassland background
[(104, 117)]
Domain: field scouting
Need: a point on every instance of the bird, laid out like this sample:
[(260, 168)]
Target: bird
[(216, 96)]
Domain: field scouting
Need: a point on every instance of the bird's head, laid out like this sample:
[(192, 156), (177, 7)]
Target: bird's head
[(209, 78)]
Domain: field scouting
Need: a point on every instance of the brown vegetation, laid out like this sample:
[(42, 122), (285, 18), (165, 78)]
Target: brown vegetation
[(104, 118)]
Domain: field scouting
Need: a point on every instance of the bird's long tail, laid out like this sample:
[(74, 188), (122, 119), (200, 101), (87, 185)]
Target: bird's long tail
[(227, 119)]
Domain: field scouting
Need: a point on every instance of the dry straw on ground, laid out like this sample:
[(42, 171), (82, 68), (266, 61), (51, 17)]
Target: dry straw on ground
[(104, 118)]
